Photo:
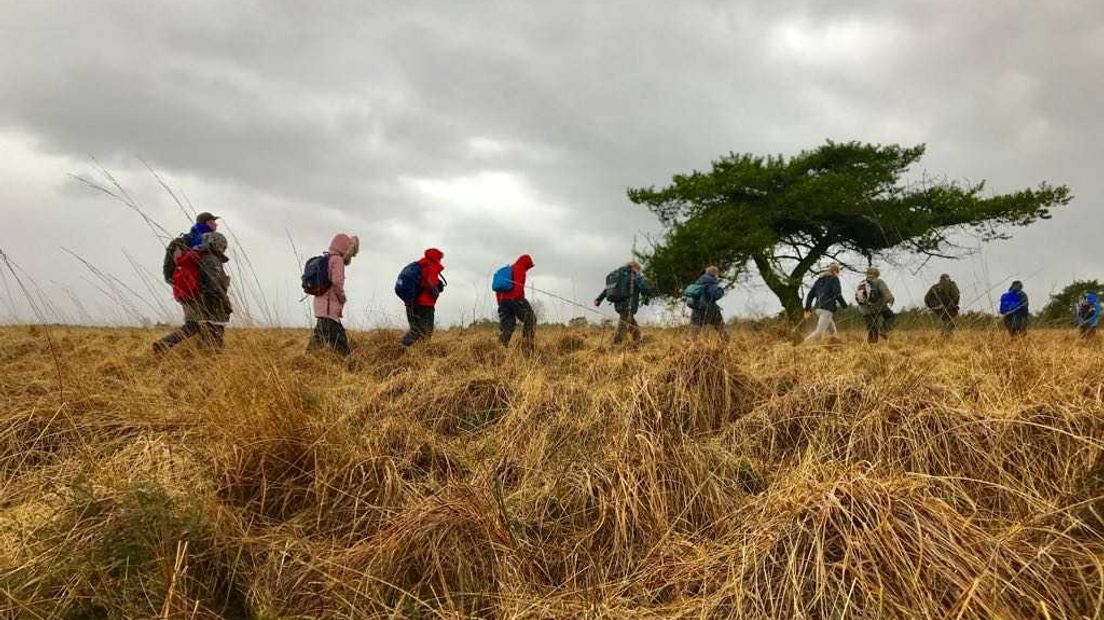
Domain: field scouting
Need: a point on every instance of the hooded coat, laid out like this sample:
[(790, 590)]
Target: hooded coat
[(195, 235), (521, 266), (330, 304), (431, 277)]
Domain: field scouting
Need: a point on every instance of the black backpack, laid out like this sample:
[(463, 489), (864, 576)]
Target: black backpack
[(316, 275), (409, 283), (175, 248), (619, 285)]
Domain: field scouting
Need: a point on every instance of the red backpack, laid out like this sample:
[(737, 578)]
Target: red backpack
[(185, 279)]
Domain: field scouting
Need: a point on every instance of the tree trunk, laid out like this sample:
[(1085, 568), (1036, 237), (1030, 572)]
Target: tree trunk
[(783, 287)]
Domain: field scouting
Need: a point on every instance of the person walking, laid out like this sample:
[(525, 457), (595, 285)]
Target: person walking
[(420, 313), (329, 303), (874, 299), (1088, 313), (509, 288), (202, 286), (943, 299), (1014, 310), (702, 297), (625, 288), (204, 223), (825, 297)]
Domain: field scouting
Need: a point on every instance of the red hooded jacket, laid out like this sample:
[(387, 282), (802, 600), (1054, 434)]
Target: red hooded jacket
[(522, 265), (431, 277)]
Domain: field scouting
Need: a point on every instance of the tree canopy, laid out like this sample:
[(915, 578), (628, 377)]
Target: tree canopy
[(782, 216)]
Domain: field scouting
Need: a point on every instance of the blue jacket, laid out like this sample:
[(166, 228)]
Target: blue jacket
[(826, 294), (1093, 318), (712, 290), (195, 235)]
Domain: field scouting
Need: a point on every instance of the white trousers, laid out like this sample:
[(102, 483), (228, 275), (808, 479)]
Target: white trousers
[(825, 325)]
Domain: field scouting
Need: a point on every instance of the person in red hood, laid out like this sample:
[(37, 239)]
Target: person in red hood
[(420, 313), (513, 307), (328, 307)]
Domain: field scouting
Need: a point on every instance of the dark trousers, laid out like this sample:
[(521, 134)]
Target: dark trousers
[(330, 334), (1015, 324), (510, 311), (420, 319), (709, 316), (626, 323), (210, 336), (878, 324), (947, 321)]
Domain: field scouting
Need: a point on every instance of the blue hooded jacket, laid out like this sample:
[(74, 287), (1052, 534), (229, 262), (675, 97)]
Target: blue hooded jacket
[(1093, 318), (195, 235)]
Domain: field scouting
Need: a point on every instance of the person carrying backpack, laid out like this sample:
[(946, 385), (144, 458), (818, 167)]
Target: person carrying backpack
[(429, 285), (1087, 313), (324, 277), (205, 223), (1014, 310), (825, 297), (201, 285), (702, 297), (624, 288), (874, 299), (943, 299), (509, 288)]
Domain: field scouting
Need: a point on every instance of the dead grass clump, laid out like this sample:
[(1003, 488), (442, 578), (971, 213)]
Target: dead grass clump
[(853, 545), (136, 551), (469, 405), (700, 390), (570, 343), (448, 553)]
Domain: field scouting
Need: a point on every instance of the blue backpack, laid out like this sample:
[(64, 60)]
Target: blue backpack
[(409, 283), (316, 275), (1009, 302), (503, 280)]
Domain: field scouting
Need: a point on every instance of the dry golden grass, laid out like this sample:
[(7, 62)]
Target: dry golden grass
[(916, 479)]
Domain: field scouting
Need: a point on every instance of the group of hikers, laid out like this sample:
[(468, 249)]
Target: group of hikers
[(194, 265)]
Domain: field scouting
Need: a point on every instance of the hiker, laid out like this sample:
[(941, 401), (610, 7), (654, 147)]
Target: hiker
[(419, 285), (1014, 309), (204, 223), (1087, 313), (825, 297), (943, 299), (201, 285), (702, 297), (324, 277), (874, 299), (509, 287), (624, 288)]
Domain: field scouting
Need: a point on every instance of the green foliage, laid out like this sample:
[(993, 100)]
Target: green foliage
[(1060, 307), (784, 215)]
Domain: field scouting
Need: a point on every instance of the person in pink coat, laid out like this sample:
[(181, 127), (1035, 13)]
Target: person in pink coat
[(328, 330)]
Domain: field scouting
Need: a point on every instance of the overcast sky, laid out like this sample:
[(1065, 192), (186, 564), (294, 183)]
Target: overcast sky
[(489, 129)]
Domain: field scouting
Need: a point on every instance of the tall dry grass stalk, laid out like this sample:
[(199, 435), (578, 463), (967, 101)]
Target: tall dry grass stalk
[(919, 479)]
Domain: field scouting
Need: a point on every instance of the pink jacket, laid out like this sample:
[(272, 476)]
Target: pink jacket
[(330, 305)]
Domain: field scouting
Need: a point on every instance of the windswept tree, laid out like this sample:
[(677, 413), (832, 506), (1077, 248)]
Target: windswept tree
[(781, 216)]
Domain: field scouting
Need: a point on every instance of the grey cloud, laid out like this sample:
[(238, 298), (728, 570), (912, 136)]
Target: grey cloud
[(308, 117)]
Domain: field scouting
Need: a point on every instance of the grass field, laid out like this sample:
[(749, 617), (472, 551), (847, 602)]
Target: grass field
[(914, 479)]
